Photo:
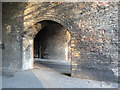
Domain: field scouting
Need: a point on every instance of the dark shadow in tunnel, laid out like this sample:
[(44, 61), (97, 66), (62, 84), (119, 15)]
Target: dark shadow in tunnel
[(61, 67), (51, 47)]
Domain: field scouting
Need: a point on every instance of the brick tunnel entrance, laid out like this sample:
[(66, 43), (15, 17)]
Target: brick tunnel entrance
[(51, 47)]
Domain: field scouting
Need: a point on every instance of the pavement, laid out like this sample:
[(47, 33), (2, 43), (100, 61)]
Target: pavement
[(50, 74)]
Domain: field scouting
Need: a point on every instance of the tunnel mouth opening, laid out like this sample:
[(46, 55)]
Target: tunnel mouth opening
[(52, 47)]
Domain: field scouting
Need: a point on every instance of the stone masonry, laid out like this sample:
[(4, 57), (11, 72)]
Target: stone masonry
[(93, 27)]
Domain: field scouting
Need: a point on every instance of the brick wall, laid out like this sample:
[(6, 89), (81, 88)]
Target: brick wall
[(93, 28)]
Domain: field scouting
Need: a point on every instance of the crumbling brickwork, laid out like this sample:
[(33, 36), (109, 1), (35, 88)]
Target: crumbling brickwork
[(93, 28)]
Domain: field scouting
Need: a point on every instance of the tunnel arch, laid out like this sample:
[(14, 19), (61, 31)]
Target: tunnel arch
[(55, 37), (69, 25), (49, 20), (34, 28)]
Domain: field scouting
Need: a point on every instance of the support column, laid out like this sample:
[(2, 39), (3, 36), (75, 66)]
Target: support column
[(27, 60)]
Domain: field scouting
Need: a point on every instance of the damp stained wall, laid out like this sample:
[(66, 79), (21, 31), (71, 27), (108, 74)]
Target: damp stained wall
[(12, 29)]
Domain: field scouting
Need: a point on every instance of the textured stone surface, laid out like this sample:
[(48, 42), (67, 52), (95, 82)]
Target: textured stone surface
[(93, 28), (12, 35)]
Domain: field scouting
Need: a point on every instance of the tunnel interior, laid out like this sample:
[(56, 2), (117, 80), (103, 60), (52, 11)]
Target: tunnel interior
[(51, 46)]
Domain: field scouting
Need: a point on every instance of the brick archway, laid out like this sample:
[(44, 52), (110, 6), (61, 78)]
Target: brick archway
[(30, 32)]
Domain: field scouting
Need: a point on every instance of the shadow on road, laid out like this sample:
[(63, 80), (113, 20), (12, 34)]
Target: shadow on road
[(63, 67)]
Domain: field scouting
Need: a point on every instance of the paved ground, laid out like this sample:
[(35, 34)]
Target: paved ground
[(49, 75)]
